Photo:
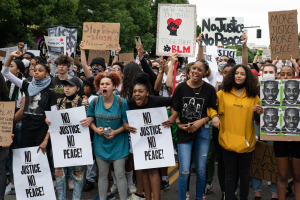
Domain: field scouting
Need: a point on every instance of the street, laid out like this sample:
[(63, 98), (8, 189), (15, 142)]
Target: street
[(172, 193)]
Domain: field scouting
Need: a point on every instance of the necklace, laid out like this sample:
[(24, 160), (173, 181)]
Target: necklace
[(197, 91)]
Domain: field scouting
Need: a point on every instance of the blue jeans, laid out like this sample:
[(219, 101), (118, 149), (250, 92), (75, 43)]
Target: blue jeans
[(78, 182), (91, 173), (184, 152)]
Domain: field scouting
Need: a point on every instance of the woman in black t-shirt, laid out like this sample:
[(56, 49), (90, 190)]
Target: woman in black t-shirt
[(191, 99), (39, 98), (142, 100)]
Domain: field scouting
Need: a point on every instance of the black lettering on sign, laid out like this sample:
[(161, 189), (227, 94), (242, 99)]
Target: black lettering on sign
[(65, 118), (31, 180), (71, 140), (151, 142), (72, 153), (35, 192), (154, 154), (27, 156), (147, 118)]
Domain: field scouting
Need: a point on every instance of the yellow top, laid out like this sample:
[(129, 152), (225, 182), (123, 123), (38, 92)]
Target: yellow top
[(211, 112), (237, 132)]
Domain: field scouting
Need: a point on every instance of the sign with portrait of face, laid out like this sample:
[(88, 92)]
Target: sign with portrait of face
[(281, 102)]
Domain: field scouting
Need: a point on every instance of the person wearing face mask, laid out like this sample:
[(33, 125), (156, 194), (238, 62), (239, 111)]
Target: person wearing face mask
[(283, 149), (39, 98), (71, 100), (110, 138), (142, 100), (236, 102), (192, 99)]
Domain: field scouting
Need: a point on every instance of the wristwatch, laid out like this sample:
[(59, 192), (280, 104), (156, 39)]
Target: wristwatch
[(178, 123)]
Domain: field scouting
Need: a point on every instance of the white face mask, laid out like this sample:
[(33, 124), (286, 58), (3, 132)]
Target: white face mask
[(269, 77)]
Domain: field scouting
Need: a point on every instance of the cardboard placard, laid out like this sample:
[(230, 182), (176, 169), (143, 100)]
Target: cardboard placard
[(283, 30), (138, 41), (152, 144), (2, 53), (281, 117), (176, 29), (263, 164), (101, 36), (126, 57), (99, 53), (222, 31), (7, 112)]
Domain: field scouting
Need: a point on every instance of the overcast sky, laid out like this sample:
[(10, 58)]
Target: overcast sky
[(255, 13)]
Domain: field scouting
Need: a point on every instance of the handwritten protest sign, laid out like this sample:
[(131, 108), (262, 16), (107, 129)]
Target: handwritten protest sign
[(56, 46), (222, 31), (101, 36), (238, 60), (263, 164), (71, 143), (281, 118), (2, 53), (99, 53), (7, 112), (126, 57), (283, 30), (176, 29), (9, 50), (152, 144), (32, 175)]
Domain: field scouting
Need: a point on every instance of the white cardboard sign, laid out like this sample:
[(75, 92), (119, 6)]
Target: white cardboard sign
[(71, 143), (152, 144)]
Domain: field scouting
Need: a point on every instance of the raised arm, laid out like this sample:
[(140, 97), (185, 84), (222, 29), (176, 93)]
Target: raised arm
[(244, 49), (169, 81), (5, 71), (85, 68), (295, 65), (200, 49), (159, 79), (116, 58)]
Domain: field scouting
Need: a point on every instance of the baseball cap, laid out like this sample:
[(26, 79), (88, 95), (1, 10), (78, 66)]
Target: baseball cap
[(255, 73), (72, 81)]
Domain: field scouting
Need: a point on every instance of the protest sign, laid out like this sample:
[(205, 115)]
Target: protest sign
[(230, 53), (101, 36), (71, 143), (210, 52), (2, 53), (7, 113), (35, 52), (222, 31), (176, 29), (8, 52), (263, 164), (266, 54), (238, 60), (32, 175), (152, 144), (99, 53), (126, 57), (283, 30), (56, 46), (280, 120), (71, 37)]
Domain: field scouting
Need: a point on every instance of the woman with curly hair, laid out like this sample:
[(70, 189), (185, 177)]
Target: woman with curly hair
[(110, 139), (236, 102)]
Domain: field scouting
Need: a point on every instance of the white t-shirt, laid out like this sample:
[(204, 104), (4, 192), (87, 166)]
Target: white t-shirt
[(164, 90), (215, 78)]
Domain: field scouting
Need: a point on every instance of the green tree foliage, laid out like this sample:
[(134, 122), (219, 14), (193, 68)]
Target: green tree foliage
[(239, 52)]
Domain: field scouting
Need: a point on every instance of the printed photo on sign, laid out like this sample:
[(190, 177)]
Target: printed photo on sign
[(291, 92), (32, 175), (152, 144), (270, 93), (176, 29), (291, 125), (270, 121), (222, 31), (192, 107)]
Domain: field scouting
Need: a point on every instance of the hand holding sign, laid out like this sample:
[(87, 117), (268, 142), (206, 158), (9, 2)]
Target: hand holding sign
[(140, 51), (43, 146), (199, 38), (128, 128), (244, 38), (87, 121), (118, 49)]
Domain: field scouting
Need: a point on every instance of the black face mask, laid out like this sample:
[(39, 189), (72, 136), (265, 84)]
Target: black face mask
[(71, 97), (239, 86)]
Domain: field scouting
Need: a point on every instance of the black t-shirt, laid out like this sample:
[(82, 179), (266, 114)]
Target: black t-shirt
[(35, 107), (153, 102), (192, 107), (4, 97), (58, 87)]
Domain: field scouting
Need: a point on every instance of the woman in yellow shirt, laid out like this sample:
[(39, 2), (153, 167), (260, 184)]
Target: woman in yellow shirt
[(236, 102)]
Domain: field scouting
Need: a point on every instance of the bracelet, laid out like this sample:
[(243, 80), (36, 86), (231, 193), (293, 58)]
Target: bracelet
[(95, 129), (178, 123), (116, 54), (204, 120), (214, 116), (244, 47)]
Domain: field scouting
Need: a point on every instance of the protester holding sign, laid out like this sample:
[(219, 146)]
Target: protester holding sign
[(39, 98), (110, 138), (195, 97), (142, 100), (283, 149), (237, 133)]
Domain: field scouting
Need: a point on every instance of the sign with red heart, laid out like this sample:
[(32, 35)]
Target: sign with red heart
[(176, 30)]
